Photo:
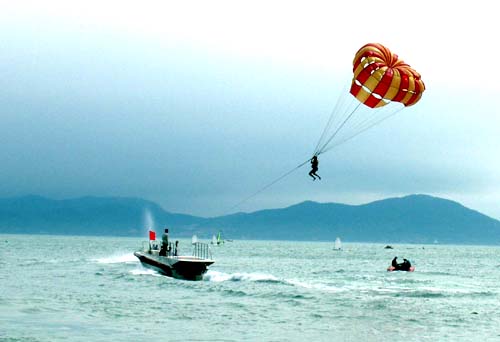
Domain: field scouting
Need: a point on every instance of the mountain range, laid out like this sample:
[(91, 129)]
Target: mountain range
[(409, 219)]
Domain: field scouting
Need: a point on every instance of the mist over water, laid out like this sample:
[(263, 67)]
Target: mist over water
[(94, 289), (148, 221)]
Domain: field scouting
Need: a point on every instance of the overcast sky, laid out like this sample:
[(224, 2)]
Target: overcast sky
[(198, 105)]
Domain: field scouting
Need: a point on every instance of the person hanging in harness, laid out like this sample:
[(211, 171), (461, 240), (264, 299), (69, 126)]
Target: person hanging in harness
[(314, 168)]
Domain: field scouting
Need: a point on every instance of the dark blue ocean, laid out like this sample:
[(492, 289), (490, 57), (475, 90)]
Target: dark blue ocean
[(60, 288)]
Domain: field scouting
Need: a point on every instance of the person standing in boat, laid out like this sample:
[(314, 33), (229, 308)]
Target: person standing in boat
[(176, 250), (314, 168), (164, 243)]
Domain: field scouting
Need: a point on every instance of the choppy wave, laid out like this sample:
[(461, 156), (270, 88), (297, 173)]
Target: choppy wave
[(117, 259), (145, 271), (447, 292), (315, 286), (425, 292), (400, 291), (216, 276)]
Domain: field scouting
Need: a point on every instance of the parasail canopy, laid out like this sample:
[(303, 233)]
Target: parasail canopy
[(381, 77)]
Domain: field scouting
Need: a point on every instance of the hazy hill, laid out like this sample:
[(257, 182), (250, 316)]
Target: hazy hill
[(84, 216), (415, 218)]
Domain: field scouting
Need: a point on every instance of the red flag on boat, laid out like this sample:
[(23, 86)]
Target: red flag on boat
[(152, 235)]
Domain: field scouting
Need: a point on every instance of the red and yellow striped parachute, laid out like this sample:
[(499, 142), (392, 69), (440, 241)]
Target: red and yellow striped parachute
[(381, 86), (381, 77)]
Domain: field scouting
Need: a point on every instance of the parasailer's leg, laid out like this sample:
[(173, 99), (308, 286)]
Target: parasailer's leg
[(313, 173)]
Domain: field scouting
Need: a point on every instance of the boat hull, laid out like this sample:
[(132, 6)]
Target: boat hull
[(181, 267), (392, 269)]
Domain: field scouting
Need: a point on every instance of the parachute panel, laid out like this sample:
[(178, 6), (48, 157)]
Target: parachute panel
[(395, 84)]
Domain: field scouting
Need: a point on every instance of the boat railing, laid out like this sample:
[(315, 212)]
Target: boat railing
[(202, 250)]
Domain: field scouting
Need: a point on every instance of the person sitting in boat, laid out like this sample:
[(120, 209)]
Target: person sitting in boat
[(405, 266), (164, 243), (314, 168)]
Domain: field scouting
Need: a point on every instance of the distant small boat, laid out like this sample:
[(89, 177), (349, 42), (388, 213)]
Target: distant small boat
[(388, 247), (217, 240), (194, 239), (338, 244)]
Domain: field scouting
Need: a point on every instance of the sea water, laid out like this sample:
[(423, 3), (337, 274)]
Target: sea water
[(64, 288)]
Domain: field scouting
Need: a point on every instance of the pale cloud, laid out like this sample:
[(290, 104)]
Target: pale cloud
[(198, 101)]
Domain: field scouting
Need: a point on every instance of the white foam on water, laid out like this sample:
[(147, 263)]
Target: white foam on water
[(449, 291), (117, 259), (216, 276), (145, 271), (315, 286)]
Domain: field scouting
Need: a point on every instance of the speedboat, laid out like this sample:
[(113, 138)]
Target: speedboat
[(187, 267)]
